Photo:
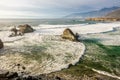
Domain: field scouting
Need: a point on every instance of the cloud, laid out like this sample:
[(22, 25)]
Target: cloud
[(50, 8)]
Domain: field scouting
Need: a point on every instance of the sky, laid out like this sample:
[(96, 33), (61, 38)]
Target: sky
[(50, 8)]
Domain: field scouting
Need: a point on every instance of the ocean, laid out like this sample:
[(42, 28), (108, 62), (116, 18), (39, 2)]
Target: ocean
[(36, 22), (43, 51)]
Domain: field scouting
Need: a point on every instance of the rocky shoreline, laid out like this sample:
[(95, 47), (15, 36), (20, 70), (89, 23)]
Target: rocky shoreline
[(55, 75), (6, 75), (103, 19)]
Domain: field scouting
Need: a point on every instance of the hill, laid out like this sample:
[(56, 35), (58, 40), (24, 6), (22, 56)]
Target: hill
[(114, 14), (96, 13)]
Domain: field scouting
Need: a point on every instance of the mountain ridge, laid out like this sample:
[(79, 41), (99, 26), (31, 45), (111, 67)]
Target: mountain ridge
[(95, 13), (113, 14)]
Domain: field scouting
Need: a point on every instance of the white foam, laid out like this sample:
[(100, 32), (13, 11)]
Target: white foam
[(62, 54), (58, 30), (81, 29), (57, 47)]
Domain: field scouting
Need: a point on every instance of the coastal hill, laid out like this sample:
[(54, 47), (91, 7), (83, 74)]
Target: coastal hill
[(96, 13), (113, 14)]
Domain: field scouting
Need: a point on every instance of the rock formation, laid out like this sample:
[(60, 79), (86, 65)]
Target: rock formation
[(21, 30), (14, 32), (103, 19), (68, 34), (6, 75), (25, 28), (1, 44)]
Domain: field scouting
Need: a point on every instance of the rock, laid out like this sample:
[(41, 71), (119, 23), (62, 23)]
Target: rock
[(68, 34), (103, 19), (6, 75), (57, 78), (25, 28), (14, 30), (31, 78), (23, 67), (3, 73), (1, 44), (77, 36), (12, 75)]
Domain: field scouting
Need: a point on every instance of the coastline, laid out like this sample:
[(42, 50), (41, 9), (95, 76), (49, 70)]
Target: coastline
[(86, 29)]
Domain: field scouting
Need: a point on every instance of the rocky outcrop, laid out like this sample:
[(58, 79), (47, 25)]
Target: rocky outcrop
[(14, 32), (103, 19), (21, 30), (25, 28), (1, 44), (6, 75), (68, 34)]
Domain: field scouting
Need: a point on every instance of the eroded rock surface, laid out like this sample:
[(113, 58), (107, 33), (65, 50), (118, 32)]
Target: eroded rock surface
[(25, 28), (68, 34), (1, 44)]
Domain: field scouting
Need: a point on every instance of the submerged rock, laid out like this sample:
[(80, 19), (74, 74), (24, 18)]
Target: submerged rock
[(25, 28), (68, 34), (1, 44)]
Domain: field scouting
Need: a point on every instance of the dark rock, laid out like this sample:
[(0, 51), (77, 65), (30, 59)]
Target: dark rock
[(1, 44), (18, 65), (12, 75), (11, 35), (77, 36), (30, 78), (70, 65), (3, 73), (18, 78), (23, 67), (14, 30), (3, 79), (25, 28), (57, 78)]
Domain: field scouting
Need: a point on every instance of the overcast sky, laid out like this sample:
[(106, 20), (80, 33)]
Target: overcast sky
[(50, 8)]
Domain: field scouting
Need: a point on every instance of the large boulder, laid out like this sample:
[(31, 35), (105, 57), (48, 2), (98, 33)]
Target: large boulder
[(1, 44), (25, 28), (68, 34)]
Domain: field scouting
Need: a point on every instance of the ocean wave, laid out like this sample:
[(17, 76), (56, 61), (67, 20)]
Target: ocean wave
[(44, 54)]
